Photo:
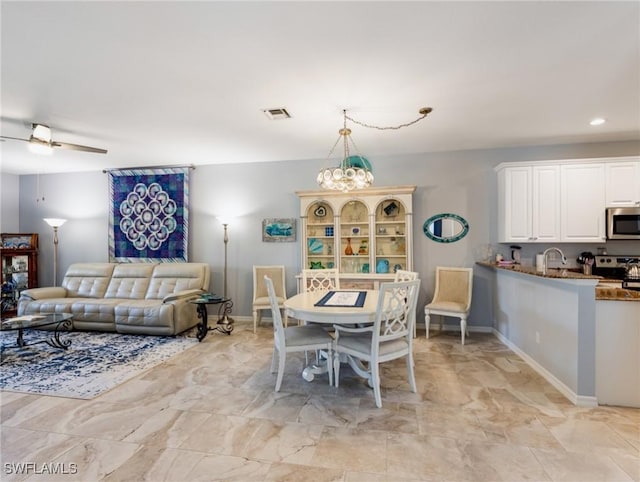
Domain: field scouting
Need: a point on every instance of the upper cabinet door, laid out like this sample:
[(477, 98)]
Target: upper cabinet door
[(546, 204), (515, 204), (529, 204), (583, 203), (622, 183)]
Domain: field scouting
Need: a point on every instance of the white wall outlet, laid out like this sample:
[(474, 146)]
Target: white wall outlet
[(537, 337)]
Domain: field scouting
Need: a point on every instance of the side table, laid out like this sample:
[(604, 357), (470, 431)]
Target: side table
[(224, 324)]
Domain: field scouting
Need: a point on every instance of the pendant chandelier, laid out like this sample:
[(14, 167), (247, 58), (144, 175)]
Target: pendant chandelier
[(354, 171)]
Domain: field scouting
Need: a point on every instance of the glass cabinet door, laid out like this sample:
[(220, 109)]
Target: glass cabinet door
[(390, 236), (354, 238), (320, 236), (19, 272)]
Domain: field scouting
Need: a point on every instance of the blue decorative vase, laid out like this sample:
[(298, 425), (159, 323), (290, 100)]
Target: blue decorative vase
[(382, 266)]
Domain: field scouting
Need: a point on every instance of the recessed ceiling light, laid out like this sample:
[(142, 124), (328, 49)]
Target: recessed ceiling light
[(598, 121)]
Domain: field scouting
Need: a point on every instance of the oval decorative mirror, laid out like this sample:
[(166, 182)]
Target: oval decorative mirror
[(445, 228)]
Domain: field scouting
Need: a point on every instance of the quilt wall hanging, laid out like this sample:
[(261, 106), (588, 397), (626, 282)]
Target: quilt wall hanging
[(149, 214)]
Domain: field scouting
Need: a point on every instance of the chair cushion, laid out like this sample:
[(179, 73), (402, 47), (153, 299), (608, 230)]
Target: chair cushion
[(447, 306), (306, 335), (362, 344), (264, 300)]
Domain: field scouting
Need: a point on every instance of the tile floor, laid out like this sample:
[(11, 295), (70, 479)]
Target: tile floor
[(210, 413)]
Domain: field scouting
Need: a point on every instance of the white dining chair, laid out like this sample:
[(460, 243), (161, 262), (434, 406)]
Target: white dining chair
[(260, 296), (404, 275), (452, 297), (294, 338), (320, 280), (390, 337)]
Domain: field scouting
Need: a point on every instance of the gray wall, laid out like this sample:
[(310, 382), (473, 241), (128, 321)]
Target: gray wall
[(9, 203), (460, 182)]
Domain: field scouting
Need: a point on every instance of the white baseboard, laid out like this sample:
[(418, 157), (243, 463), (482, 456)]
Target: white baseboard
[(456, 327), (580, 400)]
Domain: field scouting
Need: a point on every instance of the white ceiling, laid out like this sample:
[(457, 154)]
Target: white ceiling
[(160, 83)]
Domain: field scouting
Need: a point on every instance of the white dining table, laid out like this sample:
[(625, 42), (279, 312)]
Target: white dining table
[(303, 307)]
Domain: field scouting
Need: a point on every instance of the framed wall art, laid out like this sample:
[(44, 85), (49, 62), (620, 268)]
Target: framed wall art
[(279, 230)]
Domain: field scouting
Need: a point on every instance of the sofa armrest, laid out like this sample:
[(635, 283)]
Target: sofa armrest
[(43, 293), (182, 295)]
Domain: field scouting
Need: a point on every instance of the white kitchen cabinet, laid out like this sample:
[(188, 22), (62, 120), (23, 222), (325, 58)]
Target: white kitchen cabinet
[(366, 234), (622, 183), (529, 204), (582, 203), (563, 201)]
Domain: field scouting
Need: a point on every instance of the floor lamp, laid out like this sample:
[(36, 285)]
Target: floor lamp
[(55, 223), (226, 319)]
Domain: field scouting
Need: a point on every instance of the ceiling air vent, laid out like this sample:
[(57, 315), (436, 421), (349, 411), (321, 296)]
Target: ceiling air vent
[(277, 114)]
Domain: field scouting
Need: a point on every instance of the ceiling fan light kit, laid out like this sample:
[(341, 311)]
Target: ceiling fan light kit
[(41, 133), (355, 172)]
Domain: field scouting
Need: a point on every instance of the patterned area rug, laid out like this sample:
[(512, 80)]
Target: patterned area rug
[(93, 364)]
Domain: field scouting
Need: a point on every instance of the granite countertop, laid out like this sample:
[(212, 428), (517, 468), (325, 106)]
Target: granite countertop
[(551, 272), (602, 292), (616, 294)]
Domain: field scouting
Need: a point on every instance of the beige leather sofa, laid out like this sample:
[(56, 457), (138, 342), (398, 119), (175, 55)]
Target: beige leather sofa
[(139, 298)]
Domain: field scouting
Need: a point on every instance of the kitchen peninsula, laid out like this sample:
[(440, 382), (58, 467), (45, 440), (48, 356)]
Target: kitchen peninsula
[(584, 339)]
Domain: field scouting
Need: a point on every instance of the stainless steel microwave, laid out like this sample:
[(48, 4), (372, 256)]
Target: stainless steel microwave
[(623, 223)]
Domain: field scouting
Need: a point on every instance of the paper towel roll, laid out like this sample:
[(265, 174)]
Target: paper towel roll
[(540, 262)]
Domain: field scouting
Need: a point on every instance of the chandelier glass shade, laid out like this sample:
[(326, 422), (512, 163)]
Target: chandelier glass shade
[(354, 172)]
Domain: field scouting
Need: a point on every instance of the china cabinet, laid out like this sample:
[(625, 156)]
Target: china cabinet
[(365, 234), (19, 272)]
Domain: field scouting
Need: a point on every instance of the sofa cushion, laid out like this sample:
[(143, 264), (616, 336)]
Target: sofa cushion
[(130, 281), (87, 280), (144, 313), (95, 310), (170, 278), (48, 305)]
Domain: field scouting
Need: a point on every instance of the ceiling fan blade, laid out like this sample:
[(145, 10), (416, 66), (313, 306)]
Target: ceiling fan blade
[(77, 147), (14, 138)]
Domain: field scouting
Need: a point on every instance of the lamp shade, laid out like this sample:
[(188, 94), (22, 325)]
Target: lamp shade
[(55, 222)]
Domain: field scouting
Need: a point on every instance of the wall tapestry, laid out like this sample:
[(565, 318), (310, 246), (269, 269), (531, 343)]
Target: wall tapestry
[(149, 215)]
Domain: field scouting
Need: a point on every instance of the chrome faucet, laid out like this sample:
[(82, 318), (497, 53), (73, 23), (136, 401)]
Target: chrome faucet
[(563, 258)]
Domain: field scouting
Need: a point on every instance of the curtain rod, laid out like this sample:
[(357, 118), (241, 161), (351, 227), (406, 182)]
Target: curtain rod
[(190, 166)]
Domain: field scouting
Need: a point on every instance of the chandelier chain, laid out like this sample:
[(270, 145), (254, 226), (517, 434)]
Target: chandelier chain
[(334, 147), (424, 113)]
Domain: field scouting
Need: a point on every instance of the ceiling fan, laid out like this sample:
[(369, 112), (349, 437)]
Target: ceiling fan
[(41, 137)]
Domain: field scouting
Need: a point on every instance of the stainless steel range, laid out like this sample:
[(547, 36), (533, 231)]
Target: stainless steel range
[(615, 267)]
